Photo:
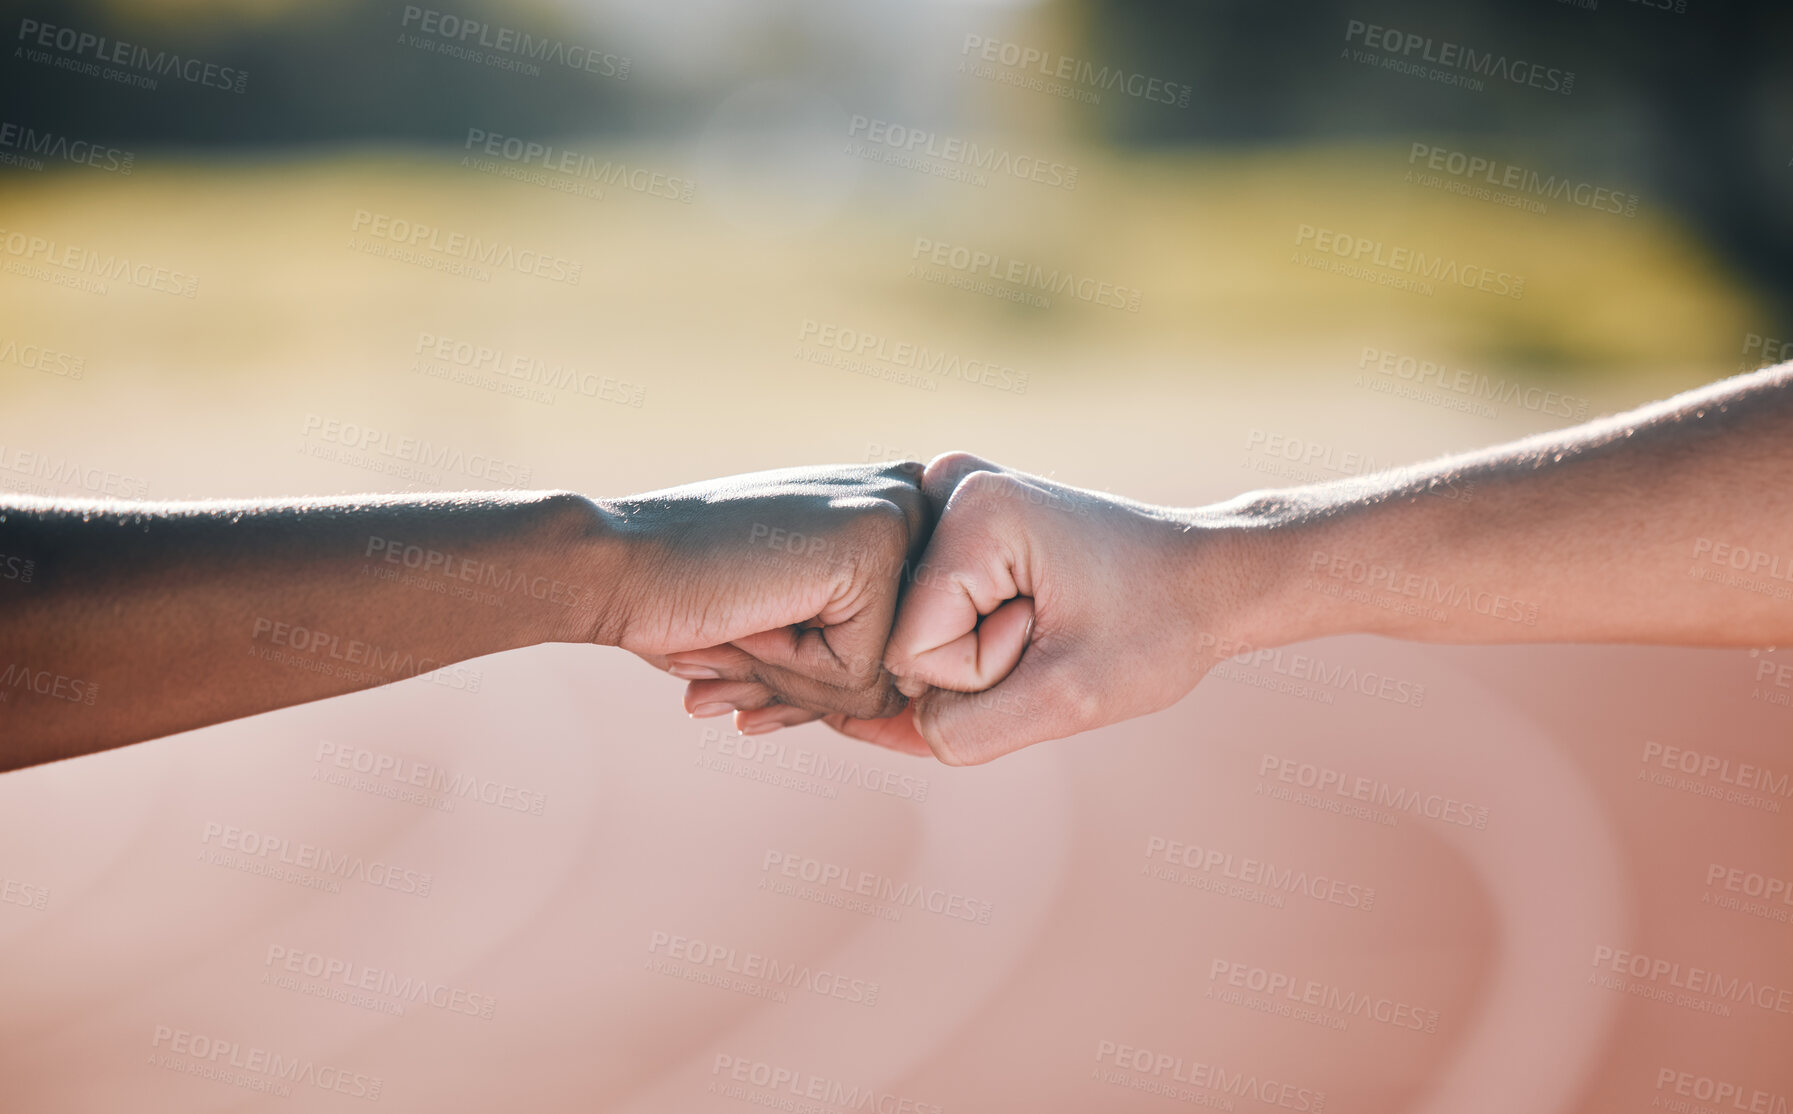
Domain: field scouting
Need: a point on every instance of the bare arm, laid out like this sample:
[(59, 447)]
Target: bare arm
[(122, 622), (1043, 610), (145, 620), (1672, 523)]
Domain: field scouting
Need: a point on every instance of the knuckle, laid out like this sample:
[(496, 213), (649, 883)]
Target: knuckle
[(874, 701), (909, 500), (755, 698), (883, 702), (905, 473), (899, 660), (879, 530), (984, 491), (864, 670), (955, 461)]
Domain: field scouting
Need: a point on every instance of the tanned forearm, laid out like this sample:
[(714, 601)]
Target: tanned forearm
[(1672, 523), (121, 622)]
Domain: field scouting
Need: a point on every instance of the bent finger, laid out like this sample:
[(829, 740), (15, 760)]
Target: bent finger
[(981, 657), (896, 732), (758, 721), (705, 699)]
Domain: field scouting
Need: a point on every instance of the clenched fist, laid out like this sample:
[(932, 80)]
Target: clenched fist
[(1041, 610), (772, 593)]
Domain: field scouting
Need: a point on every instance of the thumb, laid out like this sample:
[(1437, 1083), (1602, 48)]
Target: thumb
[(1045, 697), (964, 619), (976, 659)]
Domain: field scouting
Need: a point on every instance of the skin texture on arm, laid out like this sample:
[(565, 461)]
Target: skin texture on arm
[(140, 620), (1595, 533), (1625, 529)]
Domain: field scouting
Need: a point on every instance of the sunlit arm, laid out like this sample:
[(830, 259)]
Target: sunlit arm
[(1672, 523), (1044, 610), (121, 622)]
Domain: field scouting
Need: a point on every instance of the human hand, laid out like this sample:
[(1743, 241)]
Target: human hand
[(1041, 610), (772, 593)]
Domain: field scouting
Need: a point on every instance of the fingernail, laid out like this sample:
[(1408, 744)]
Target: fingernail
[(705, 711), (761, 728), (685, 672)]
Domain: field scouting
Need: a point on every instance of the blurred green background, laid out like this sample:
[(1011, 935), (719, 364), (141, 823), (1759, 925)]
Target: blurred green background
[(214, 290)]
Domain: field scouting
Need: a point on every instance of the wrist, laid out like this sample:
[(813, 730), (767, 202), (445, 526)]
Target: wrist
[(1247, 575), (600, 544)]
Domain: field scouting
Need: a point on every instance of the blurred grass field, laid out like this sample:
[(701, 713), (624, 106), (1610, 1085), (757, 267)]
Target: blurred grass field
[(701, 305)]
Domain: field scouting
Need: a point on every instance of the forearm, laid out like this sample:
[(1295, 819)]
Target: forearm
[(1668, 524), (142, 620)]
